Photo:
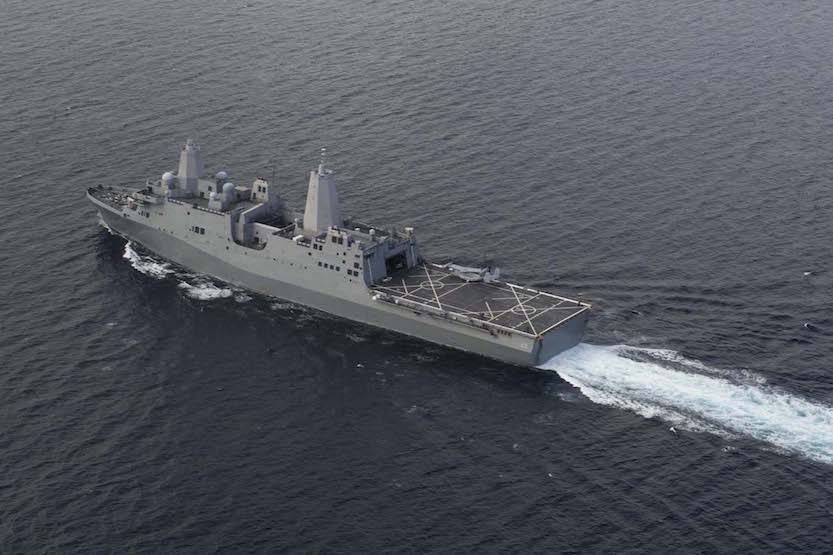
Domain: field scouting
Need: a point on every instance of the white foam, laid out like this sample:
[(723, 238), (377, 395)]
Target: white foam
[(676, 360), (694, 396), (195, 286), (205, 290), (146, 264)]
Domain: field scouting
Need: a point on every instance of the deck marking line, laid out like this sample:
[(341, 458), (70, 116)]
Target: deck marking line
[(430, 281), (520, 304)]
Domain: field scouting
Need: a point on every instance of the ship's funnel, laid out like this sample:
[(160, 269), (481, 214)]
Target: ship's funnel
[(190, 167), (323, 209)]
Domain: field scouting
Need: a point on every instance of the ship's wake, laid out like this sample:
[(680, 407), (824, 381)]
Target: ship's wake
[(194, 286), (146, 264), (651, 382), (689, 394)]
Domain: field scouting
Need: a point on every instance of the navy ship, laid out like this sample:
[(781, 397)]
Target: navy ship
[(247, 236)]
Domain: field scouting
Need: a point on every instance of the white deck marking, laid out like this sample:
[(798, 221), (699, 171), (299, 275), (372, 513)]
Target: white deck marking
[(427, 273), (522, 298), (573, 315), (453, 290), (520, 304), (515, 298), (553, 307)]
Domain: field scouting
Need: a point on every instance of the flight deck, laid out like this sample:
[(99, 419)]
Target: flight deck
[(504, 306)]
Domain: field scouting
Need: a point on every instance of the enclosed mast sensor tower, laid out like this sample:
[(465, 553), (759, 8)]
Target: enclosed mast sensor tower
[(323, 210), (190, 168)]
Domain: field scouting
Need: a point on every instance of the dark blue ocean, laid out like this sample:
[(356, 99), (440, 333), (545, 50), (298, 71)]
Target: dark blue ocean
[(670, 162)]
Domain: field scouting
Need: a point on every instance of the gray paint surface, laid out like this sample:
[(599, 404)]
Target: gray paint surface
[(246, 236)]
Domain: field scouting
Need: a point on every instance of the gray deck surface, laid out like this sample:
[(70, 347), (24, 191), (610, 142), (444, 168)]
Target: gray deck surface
[(499, 303)]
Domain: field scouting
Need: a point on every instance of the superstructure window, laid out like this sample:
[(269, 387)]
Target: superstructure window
[(355, 264), (319, 263), (335, 239)]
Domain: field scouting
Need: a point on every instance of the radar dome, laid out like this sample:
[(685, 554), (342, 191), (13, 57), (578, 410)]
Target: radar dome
[(228, 188), (221, 176), (167, 178)]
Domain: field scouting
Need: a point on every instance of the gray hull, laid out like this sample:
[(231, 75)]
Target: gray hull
[(360, 307)]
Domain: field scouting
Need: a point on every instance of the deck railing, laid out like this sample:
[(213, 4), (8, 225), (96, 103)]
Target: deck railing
[(457, 318)]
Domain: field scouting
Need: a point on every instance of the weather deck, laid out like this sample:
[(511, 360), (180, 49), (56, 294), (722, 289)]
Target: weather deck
[(501, 305)]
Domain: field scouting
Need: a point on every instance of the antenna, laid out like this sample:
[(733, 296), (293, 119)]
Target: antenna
[(321, 163)]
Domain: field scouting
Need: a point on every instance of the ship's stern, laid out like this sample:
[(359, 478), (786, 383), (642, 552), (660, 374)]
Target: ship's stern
[(557, 340)]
